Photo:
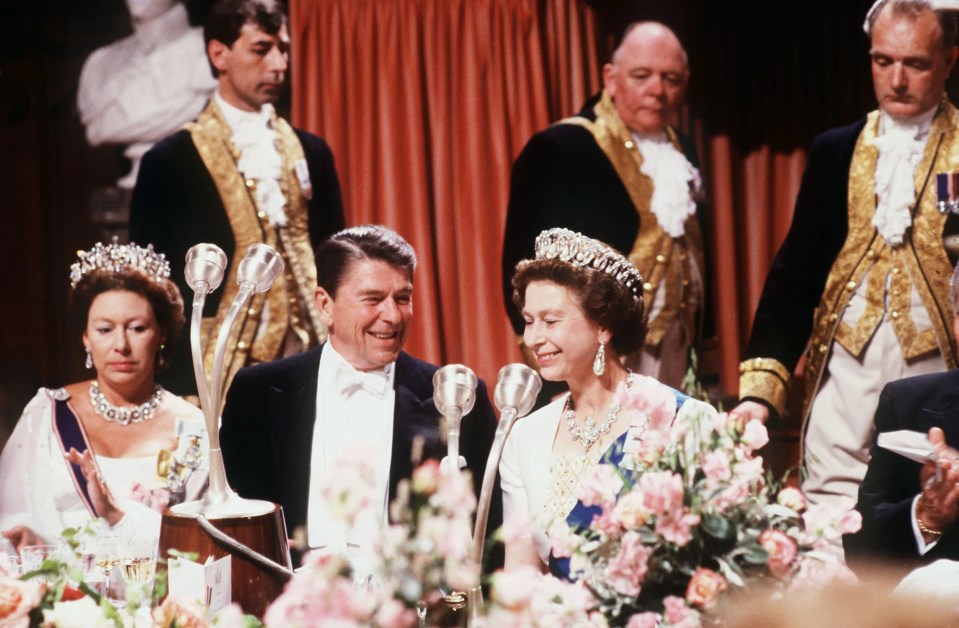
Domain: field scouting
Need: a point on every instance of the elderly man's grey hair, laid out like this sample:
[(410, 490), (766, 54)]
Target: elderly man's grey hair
[(945, 11)]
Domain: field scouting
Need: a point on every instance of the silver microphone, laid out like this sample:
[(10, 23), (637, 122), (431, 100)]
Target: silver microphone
[(260, 267), (516, 389), (454, 393), (205, 263)]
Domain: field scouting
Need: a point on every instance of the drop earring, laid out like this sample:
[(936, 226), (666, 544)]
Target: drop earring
[(160, 361), (599, 362), (89, 360)]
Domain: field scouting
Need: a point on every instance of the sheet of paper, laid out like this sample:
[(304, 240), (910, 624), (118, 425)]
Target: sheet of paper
[(912, 445), (208, 584)]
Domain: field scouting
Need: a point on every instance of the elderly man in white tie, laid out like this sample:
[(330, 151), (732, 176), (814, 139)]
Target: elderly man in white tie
[(861, 282), (287, 423)]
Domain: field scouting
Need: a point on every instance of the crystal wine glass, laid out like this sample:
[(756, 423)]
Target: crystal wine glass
[(107, 558)]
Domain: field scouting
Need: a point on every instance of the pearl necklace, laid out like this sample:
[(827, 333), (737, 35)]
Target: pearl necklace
[(591, 432), (125, 416)]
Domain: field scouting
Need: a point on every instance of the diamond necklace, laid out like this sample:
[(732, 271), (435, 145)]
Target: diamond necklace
[(128, 415), (591, 432)]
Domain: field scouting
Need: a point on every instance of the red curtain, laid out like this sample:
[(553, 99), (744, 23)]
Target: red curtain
[(425, 104)]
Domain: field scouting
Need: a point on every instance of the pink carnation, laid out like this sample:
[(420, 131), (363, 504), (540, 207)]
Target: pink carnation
[(676, 526), (650, 398), (626, 571), (600, 486), (643, 620), (716, 466), (630, 511), (678, 613), (562, 539), (662, 491)]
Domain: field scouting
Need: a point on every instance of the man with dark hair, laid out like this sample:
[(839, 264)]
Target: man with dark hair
[(241, 175), (618, 172), (287, 423), (860, 283)]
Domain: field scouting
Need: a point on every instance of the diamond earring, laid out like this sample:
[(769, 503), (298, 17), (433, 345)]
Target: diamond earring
[(89, 361), (599, 362)]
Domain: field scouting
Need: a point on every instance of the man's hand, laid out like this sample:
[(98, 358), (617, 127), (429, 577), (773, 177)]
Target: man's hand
[(22, 536), (748, 410), (939, 505)]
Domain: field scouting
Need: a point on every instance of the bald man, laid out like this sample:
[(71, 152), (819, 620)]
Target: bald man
[(618, 172)]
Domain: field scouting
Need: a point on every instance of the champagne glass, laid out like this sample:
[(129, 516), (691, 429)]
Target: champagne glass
[(138, 560), (32, 557), (107, 558)]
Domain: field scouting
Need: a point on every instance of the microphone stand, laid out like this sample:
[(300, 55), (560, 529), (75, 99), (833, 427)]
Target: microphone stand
[(454, 395)]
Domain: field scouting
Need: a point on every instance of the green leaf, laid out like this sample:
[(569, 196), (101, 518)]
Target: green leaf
[(718, 527)]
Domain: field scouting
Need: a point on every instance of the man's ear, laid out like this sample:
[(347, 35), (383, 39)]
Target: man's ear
[(217, 52), (324, 305)]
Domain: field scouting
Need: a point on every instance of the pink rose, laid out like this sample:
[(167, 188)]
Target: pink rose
[(393, 613), (426, 477), (851, 522), (781, 549), (754, 435), (563, 540), (792, 498), (17, 599), (704, 588), (626, 570)]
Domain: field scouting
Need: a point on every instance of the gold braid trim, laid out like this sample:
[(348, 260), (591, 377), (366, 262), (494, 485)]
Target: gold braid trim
[(920, 263), (766, 379), (293, 290), (657, 256)]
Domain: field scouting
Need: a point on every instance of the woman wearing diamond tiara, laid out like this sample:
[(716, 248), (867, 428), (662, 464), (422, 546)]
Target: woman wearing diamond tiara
[(97, 448), (583, 307)]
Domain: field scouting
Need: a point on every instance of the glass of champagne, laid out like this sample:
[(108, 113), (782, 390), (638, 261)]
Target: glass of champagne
[(138, 560), (33, 556), (107, 558)]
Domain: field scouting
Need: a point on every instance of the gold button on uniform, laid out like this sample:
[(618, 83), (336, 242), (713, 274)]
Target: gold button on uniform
[(250, 183), (647, 286), (660, 258), (851, 285)]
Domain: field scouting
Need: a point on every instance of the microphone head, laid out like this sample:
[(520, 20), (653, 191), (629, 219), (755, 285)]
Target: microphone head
[(205, 262), (454, 386), (260, 267), (517, 387)]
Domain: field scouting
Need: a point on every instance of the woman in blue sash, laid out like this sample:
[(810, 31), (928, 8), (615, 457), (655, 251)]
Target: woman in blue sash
[(583, 306), (117, 446)]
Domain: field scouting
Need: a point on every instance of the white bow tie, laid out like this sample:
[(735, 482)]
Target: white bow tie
[(348, 380)]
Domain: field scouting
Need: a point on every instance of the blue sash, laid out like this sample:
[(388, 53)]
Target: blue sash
[(581, 515), (70, 434)]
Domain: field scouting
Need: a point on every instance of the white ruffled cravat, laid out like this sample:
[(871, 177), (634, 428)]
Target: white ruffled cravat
[(900, 147), (674, 181), (259, 158)]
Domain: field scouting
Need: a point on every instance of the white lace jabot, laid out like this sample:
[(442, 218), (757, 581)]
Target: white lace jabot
[(901, 143), (259, 158), (674, 181)]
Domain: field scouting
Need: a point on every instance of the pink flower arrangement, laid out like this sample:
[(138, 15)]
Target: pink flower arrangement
[(17, 599), (687, 513)]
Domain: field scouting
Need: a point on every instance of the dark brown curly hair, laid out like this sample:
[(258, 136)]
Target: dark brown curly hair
[(163, 295), (606, 302)]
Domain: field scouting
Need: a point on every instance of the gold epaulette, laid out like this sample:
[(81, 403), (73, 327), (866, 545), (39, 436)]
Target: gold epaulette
[(766, 379)]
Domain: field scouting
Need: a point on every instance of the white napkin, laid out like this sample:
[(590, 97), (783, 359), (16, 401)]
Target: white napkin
[(912, 445)]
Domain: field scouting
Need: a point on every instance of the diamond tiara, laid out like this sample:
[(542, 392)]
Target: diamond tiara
[(579, 250), (116, 257)]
